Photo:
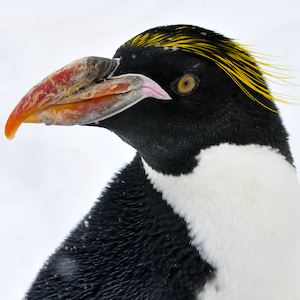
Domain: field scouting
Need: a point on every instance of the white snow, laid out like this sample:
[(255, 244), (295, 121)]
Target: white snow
[(50, 176)]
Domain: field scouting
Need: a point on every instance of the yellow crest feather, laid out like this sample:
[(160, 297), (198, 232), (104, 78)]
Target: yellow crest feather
[(232, 57)]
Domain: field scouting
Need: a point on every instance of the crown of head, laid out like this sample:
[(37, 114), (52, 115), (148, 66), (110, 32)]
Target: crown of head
[(233, 58)]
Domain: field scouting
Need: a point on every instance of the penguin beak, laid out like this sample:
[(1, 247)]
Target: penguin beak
[(82, 92)]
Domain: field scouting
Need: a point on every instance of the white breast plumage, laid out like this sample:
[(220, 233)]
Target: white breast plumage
[(242, 208)]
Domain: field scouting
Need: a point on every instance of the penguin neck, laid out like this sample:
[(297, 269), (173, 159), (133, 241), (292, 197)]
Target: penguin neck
[(241, 206), (173, 149)]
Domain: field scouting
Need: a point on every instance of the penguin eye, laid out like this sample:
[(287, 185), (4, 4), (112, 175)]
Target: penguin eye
[(186, 85)]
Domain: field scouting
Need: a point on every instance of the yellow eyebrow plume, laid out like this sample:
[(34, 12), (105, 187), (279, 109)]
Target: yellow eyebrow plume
[(233, 58)]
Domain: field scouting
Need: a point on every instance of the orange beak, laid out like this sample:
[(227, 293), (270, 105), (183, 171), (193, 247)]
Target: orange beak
[(82, 92)]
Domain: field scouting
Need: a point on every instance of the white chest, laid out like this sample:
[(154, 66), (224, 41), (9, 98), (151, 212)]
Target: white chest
[(242, 208)]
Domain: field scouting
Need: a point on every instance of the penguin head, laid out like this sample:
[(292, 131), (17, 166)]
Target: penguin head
[(208, 105), (205, 90)]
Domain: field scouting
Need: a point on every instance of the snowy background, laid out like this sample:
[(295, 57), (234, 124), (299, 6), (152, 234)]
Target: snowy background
[(50, 176)]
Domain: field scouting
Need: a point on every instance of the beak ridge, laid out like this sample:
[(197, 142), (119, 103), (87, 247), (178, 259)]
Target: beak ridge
[(66, 81)]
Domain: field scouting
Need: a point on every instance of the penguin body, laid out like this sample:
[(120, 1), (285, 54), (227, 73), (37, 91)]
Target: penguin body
[(209, 208), (130, 246), (241, 205)]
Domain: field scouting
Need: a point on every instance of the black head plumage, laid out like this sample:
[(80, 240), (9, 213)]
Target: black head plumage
[(230, 104)]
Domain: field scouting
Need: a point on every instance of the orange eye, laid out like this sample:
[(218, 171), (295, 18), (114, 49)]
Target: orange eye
[(187, 84)]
